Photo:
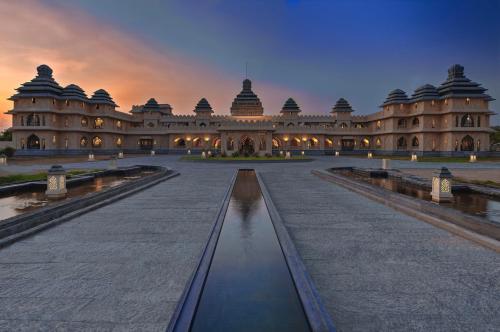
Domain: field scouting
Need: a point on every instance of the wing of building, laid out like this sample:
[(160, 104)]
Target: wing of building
[(451, 119)]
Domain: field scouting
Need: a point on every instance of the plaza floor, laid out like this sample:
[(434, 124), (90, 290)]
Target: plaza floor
[(124, 267)]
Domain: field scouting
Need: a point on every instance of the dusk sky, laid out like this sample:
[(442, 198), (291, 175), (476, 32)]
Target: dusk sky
[(314, 51)]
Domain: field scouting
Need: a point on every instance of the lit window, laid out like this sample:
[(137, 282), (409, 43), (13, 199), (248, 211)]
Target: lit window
[(96, 142), (98, 123), (379, 124), (378, 143), (67, 102), (119, 142), (467, 101), (33, 100), (118, 124), (84, 122), (83, 141)]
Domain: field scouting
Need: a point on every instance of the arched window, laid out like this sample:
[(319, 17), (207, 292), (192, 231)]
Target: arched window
[(379, 124), (290, 125), (196, 142), (467, 144), (276, 143), (98, 123), (33, 120), (456, 121), (295, 142), (96, 142), (216, 143), (83, 142), (401, 143), (479, 121), (414, 142), (467, 121), (378, 142), (203, 125), (179, 142), (33, 142), (415, 122), (118, 124), (66, 142), (343, 125), (84, 122), (402, 123), (119, 142), (365, 143)]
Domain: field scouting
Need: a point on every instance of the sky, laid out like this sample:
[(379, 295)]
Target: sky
[(313, 51)]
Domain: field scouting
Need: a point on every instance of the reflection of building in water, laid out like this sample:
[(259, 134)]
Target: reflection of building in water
[(246, 193), (450, 119)]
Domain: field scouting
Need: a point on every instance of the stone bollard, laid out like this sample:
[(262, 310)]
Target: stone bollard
[(386, 163), (288, 155), (209, 153), (441, 186), (56, 182), (112, 163), (91, 156), (203, 155), (120, 155), (337, 153), (3, 160), (281, 153), (189, 152), (152, 152)]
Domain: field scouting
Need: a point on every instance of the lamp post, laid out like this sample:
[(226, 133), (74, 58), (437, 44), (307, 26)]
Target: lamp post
[(3, 160), (56, 182), (441, 186)]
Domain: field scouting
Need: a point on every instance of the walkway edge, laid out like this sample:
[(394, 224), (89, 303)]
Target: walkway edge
[(6, 241), (186, 307), (401, 206), (317, 315)]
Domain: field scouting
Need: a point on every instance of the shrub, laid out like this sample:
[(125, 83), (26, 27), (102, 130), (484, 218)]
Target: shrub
[(255, 155), (235, 154), (246, 154), (8, 151), (223, 155), (269, 155)]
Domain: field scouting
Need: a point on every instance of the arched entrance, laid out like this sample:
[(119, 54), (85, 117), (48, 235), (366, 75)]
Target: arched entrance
[(33, 142), (467, 144), (247, 146)]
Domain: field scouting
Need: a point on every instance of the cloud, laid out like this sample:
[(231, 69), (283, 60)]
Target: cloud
[(93, 54)]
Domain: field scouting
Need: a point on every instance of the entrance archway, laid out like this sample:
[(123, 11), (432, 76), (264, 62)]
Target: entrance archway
[(467, 144), (33, 142), (247, 145)]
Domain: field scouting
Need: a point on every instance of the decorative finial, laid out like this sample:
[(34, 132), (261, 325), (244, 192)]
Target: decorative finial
[(44, 71)]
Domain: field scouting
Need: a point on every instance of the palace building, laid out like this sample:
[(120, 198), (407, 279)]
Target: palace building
[(451, 119)]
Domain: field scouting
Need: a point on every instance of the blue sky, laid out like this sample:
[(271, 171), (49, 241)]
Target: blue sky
[(359, 50)]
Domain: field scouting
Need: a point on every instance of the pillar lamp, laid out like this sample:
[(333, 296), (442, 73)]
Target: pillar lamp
[(3, 159), (414, 157), (91, 156), (153, 152), (370, 155), (288, 155), (472, 158), (441, 186), (120, 155), (386, 163), (203, 155), (337, 153), (56, 182)]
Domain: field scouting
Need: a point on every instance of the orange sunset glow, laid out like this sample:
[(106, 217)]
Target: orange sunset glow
[(95, 55)]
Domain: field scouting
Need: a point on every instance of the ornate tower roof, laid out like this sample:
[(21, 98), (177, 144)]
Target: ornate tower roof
[(457, 85), (43, 85), (73, 91), (396, 96), (246, 102), (425, 92), (290, 106), (101, 96), (151, 105), (342, 105), (203, 107)]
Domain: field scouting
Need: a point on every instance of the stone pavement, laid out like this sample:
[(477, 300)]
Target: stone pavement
[(123, 267)]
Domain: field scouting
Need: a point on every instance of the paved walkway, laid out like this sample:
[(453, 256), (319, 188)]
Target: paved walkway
[(123, 267)]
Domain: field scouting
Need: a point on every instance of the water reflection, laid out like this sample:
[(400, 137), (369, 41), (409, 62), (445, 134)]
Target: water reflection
[(471, 203), (26, 202), (248, 287)]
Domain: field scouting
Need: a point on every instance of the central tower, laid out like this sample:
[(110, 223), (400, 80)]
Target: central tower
[(246, 102)]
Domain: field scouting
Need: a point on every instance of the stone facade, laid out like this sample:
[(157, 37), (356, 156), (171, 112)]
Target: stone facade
[(452, 119)]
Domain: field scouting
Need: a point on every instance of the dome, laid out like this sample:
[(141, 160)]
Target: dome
[(203, 106), (101, 96), (290, 106), (246, 102), (342, 105), (425, 92), (43, 85), (396, 96), (151, 105), (73, 91), (458, 85)]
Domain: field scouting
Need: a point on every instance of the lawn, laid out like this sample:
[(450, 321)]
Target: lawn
[(242, 158), (15, 178), (431, 159)]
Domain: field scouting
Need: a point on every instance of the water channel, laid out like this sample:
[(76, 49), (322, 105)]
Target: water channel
[(249, 286)]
